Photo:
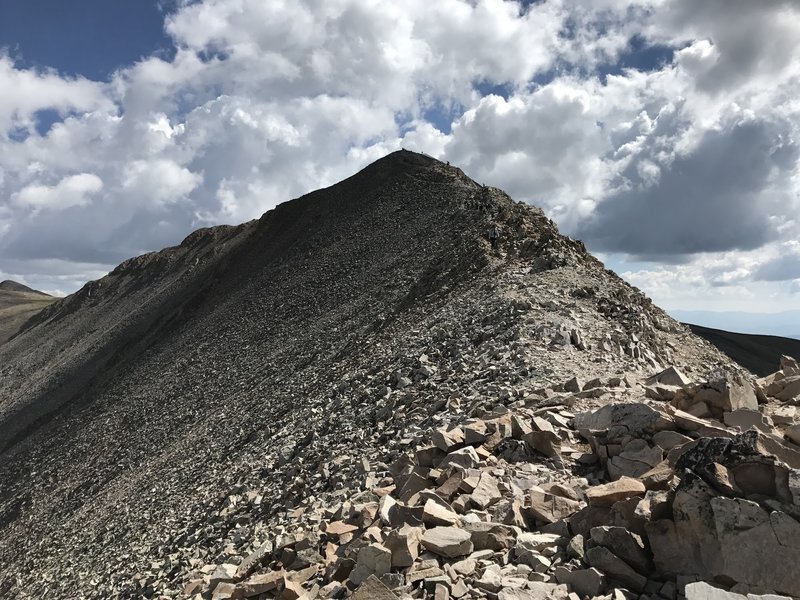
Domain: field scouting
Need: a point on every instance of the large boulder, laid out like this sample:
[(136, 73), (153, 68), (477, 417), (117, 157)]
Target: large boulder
[(790, 389), (789, 366), (584, 582), (700, 590), (717, 538), (723, 392), (373, 559), (626, 545), (636, 418), (670, 376), (605, 561), (450, 542), (550, 508), (404, 545), (757, 545), (610, 493), (373, 589)]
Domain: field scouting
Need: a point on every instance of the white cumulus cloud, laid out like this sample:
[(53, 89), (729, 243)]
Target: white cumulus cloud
[(75, 190), (663, 132), (159, 181), (28, 91)]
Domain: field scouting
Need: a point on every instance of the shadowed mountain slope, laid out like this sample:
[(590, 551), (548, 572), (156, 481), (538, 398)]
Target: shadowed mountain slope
[(381, 237), (276, 355), (761, 354), (18, 303)]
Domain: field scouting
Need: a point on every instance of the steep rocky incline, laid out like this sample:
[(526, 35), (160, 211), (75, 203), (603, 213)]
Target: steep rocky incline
[(239, 406), (66, 345)]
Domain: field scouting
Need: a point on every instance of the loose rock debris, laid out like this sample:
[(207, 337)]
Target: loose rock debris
[(690, 500)]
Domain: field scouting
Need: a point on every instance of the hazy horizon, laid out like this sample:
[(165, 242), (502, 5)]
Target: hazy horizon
[(782, 324)]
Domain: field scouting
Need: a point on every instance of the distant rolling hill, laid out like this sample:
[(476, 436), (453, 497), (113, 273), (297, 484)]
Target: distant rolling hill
[(782, 324), (18, 303), (759, 353)]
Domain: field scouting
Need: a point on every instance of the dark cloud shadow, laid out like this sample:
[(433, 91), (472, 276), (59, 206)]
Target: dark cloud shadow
[(711, 200), (783, 268)]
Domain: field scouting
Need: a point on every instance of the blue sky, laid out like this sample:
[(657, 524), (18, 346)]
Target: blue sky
[(661, 132), (91, 38), (95, 38)]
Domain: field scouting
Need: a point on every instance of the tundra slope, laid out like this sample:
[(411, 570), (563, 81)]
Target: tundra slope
[(272, 357), (18, 303)]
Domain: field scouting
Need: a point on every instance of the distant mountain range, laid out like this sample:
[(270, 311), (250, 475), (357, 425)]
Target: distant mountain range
[(13, 286), (759, 353), (783, 324)]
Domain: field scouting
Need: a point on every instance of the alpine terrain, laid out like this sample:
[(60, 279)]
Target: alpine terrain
[(360, 395)]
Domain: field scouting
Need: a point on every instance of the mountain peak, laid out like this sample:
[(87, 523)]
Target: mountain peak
[(408, 157), (286, 358), (405, 159), (411, 164)]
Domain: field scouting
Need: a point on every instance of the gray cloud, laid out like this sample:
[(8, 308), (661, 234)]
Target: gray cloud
[(782, 268), (719, 197), (57, 277), (752, 39), (535, 146)]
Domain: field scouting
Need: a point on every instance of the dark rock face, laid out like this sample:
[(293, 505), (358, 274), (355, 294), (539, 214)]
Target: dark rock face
[(228, 401)]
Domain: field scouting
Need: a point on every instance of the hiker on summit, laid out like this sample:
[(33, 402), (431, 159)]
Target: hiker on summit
[(493, 236)]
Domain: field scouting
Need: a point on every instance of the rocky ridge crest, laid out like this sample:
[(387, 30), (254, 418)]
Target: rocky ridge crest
[(247, 414)]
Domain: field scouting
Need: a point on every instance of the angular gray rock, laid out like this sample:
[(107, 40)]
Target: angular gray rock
[(584, 582), (373, 589), (615, 491), (700, 590), (624, 544), (374, 559), (451, 542), (615, 568)]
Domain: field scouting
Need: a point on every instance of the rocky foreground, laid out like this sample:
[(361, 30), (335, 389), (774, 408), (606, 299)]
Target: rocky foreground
[(357, 396), (695, 483)]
